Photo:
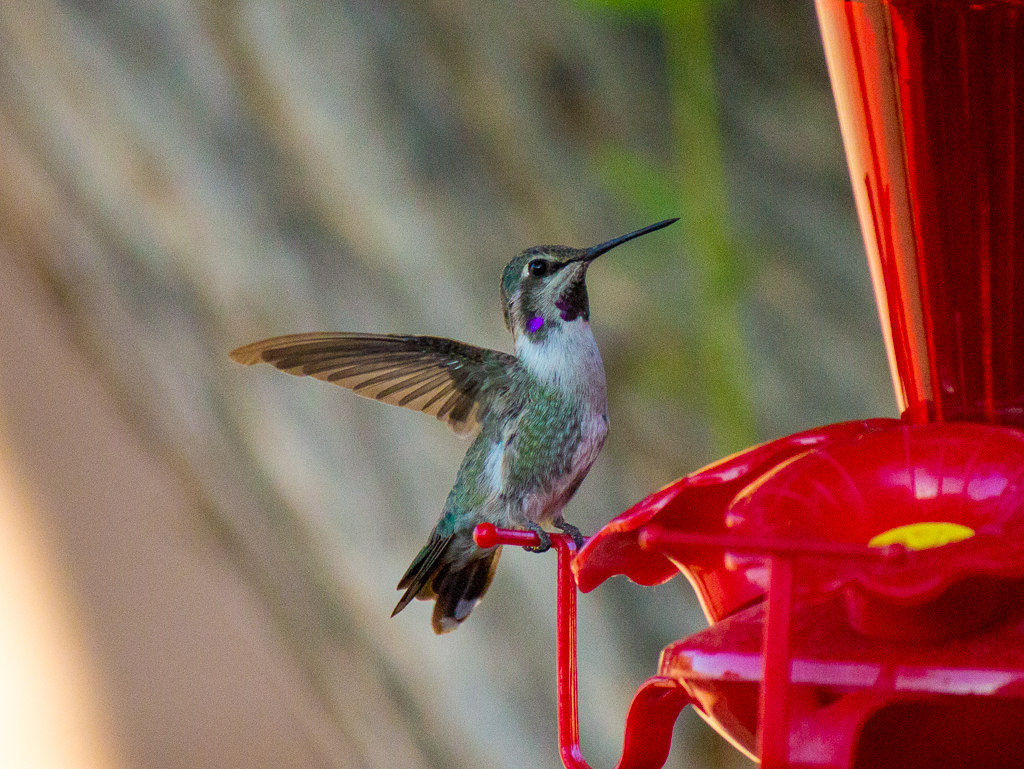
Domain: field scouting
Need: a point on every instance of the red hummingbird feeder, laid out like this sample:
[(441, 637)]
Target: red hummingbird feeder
[(864, 581)]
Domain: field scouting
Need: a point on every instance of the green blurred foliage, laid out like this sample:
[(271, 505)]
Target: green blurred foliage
[(694, 186)]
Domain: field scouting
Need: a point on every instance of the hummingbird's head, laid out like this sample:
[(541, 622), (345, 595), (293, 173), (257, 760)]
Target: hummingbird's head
[(545, 286)]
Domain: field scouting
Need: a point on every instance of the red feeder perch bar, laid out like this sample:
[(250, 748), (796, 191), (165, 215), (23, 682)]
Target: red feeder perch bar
[(864, 581)]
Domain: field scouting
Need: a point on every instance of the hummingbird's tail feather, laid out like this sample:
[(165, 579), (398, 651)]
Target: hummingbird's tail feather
[(459, 591), (455, 590), (417, 578)]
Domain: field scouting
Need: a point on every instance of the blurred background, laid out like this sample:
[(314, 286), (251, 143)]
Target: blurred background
[(198, 560)]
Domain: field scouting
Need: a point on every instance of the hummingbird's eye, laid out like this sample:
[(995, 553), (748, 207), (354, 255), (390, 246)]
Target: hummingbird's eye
[(538, 268)]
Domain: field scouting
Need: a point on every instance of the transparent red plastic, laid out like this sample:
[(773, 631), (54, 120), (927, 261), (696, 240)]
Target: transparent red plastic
[(930, 95)]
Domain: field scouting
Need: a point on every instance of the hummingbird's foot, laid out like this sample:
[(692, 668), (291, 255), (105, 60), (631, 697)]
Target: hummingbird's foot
[(545, 539), (572, 531)]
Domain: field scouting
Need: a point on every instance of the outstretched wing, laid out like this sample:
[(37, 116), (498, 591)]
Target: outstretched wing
[(441, 377)]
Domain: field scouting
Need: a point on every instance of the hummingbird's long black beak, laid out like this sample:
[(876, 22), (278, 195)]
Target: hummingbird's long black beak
[(592, 253)]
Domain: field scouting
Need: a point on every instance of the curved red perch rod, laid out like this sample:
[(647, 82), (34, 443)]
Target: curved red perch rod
[(655, 706)]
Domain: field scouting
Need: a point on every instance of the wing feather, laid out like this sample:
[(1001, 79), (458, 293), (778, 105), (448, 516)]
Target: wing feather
[(428, 381), (449, 380), (408, 379)]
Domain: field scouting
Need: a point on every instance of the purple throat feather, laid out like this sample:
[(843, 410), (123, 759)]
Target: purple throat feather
[(565, 310)]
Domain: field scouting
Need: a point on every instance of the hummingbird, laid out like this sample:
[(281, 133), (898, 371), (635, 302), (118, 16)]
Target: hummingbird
[(540, 416)]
